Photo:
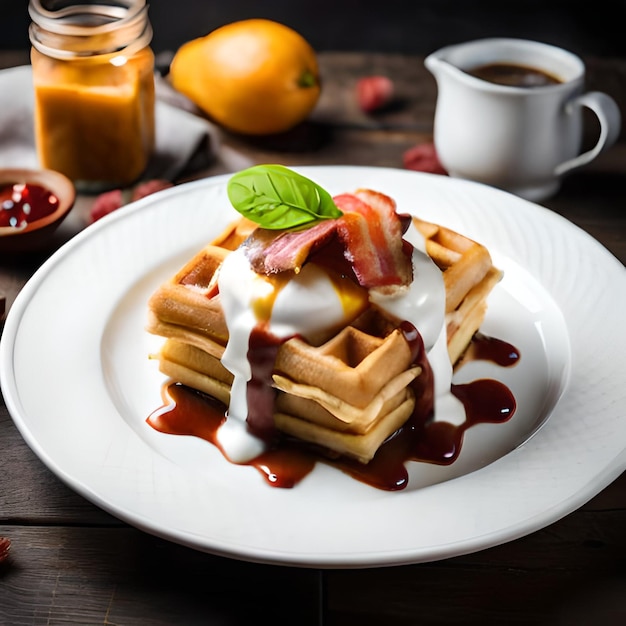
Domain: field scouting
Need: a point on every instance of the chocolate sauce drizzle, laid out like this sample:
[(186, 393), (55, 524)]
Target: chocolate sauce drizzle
[(287, 461)]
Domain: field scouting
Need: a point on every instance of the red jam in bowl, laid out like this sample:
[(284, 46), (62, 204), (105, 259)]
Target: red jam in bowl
[(23, 203)]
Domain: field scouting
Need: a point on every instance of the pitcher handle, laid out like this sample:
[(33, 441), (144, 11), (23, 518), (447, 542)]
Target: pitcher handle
[(610, 119)]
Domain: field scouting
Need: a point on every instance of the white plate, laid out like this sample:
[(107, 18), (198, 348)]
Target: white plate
[(78, 382)]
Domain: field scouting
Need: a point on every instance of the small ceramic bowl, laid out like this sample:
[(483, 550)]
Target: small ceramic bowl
[(33, 234)]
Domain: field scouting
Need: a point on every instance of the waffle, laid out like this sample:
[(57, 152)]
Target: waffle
[(347, 392), (468, 276)]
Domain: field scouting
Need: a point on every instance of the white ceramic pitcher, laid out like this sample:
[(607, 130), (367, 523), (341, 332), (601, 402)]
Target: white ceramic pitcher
[(521, 139)]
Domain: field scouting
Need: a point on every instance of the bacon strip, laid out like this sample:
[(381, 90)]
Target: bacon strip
[(370, 231), (271, 252)]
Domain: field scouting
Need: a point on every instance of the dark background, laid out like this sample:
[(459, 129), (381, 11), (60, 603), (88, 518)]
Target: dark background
[(404, 26)]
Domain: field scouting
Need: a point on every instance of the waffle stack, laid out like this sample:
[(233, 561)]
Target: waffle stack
[(346, 394), (468, 275)]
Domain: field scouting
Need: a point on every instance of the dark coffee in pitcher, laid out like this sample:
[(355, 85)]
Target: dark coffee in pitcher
[(513, 75)]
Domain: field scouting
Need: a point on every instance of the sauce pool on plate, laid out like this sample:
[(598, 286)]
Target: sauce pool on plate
[(287, 462)]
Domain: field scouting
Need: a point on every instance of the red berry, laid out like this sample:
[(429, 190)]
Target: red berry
[(151, 186), (5, 546), (374, 93), (106, 203), (423, 158)]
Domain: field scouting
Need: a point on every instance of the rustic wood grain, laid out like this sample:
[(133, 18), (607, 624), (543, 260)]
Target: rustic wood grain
[(571, 572), (121, 576)]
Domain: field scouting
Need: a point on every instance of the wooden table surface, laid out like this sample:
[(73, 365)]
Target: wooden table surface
[(72, 563)]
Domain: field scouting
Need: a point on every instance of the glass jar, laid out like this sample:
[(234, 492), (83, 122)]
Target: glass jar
[(93, 74)]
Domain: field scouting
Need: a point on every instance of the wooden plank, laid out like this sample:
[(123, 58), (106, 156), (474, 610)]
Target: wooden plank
[(568, 573), (594, 199), (13, 58), (83, 576)]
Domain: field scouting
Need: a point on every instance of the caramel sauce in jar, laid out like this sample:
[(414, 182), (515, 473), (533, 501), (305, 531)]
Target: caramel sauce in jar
[(94, 91)]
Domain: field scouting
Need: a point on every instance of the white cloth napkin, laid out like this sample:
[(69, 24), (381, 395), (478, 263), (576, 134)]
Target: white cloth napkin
[(184, 142)]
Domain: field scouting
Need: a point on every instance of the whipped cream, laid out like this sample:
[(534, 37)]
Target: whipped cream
[(307, 304), (311, 302)]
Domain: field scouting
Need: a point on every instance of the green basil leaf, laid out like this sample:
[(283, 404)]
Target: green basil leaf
[(276, 197)]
